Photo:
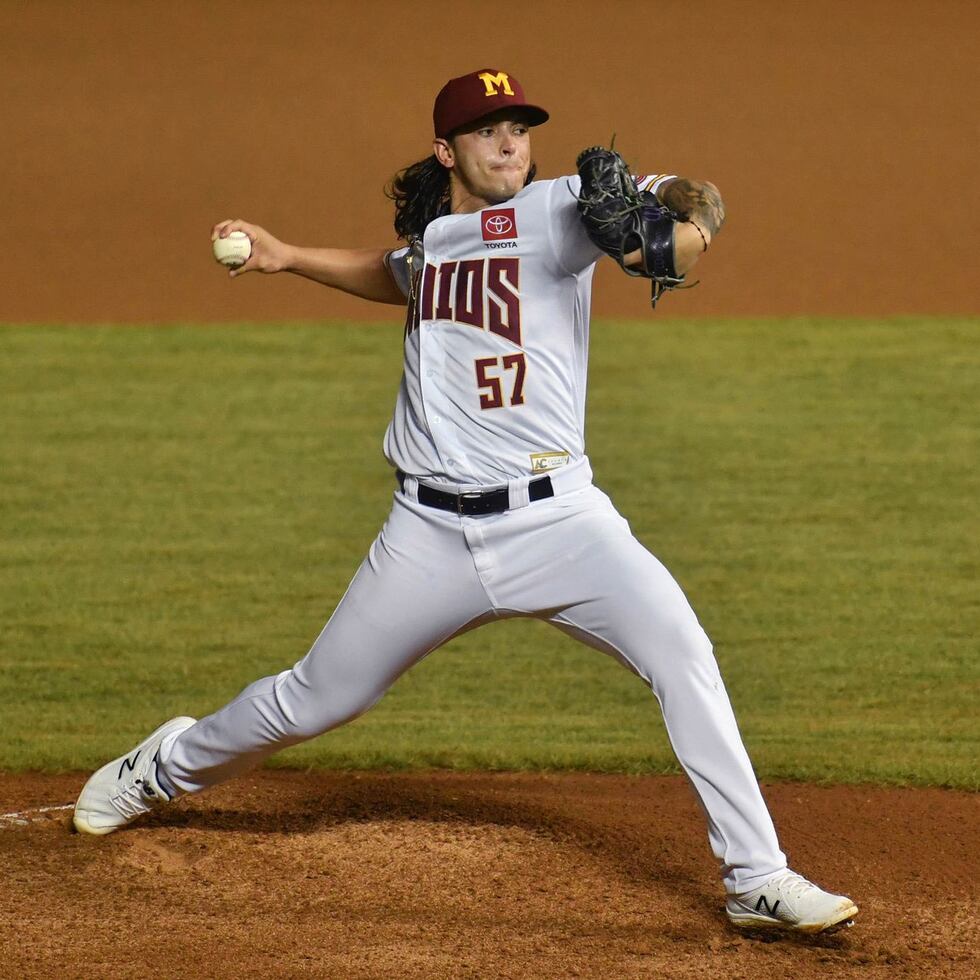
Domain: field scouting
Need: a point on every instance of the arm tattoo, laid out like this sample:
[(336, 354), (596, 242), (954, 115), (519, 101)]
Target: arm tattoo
[(693, 199)]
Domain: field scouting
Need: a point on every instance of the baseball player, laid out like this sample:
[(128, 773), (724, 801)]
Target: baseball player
[(494, 512)]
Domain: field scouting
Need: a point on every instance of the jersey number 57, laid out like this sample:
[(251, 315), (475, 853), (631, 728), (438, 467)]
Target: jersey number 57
[(491, 385)]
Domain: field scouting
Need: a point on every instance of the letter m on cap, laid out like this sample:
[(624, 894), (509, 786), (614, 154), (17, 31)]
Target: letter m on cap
[(493, 83)]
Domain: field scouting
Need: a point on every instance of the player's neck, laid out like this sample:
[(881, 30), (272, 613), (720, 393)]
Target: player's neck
[(464, 201)]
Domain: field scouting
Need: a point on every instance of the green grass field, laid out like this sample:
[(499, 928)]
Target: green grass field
[(182, 507)]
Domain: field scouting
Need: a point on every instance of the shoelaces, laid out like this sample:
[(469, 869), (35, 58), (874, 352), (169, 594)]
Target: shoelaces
[(792, 885), (131, 799)]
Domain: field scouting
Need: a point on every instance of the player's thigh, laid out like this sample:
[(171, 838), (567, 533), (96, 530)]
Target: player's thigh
[(416, 588), (612, 592)]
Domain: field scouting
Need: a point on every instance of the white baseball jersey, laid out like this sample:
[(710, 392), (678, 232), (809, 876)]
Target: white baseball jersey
[(496, 340)]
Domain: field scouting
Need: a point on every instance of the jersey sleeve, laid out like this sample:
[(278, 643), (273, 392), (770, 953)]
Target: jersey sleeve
[(396, 262), (652, 183), (573, 247)]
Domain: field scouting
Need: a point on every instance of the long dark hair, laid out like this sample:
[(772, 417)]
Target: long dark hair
[(421, 194)]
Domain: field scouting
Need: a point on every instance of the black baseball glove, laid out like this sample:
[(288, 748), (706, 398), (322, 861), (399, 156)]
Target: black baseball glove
[(620, 219)]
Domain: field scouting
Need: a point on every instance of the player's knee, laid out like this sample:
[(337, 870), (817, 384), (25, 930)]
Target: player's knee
[(314, 712), (691, 646), (678, 627), (678, 643), (695, 642)]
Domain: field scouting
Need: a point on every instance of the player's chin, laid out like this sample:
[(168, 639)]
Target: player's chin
[(506, 185)]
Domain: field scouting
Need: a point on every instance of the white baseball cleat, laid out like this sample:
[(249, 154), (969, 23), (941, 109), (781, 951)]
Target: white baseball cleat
[(127, 787), (787, 901)]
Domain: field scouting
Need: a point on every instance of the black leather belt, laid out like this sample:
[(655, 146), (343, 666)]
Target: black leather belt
[(478, 502)]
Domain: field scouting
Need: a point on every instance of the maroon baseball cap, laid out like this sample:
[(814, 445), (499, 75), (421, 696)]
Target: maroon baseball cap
[(470, 97)]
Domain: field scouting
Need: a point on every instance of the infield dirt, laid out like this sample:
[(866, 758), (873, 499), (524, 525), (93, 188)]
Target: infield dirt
[(456, 875)]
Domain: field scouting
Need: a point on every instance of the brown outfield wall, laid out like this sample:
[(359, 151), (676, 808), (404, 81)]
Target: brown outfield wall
[(842, 134)]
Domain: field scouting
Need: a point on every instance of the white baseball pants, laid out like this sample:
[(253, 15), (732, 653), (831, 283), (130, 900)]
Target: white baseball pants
[(431, 575)]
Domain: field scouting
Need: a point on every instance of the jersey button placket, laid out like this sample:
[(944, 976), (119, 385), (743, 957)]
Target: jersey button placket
[(433, 372)]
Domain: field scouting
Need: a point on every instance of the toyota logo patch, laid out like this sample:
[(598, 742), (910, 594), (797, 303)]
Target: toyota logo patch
[(499, 223)]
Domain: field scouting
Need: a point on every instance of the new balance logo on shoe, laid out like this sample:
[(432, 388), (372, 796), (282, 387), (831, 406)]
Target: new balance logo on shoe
[(129, 764), (126, 787), (763, 906)]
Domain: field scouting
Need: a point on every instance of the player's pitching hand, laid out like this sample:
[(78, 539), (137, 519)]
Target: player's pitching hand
[(268, 253)]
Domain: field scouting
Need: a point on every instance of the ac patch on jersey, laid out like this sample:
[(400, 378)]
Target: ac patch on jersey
[(542, 462), (498, 224)]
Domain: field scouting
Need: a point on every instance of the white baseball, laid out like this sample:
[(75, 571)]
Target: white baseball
[(234, 250)]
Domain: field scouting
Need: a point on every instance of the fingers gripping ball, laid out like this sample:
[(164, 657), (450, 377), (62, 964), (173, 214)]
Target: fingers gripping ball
[(234, 250)]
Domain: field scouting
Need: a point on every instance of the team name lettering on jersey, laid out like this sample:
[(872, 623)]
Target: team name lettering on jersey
[(482, 293)]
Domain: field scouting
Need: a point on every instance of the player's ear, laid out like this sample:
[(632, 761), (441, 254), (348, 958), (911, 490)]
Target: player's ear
[(443, 151)]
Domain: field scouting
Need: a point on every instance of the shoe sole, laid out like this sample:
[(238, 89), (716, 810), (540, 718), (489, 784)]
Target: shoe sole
[(79, 819), (751, 923)]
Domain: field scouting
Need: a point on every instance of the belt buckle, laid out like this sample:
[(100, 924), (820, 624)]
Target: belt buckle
[(472, 495)]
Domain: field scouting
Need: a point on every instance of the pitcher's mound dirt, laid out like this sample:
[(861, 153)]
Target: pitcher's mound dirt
[(455, 875)]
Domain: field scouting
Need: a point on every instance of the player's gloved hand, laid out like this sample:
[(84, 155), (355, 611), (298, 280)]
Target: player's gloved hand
[(268, 253), (629, 225)]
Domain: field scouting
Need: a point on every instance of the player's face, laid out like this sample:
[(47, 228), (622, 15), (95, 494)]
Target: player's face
[(490, 158)]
